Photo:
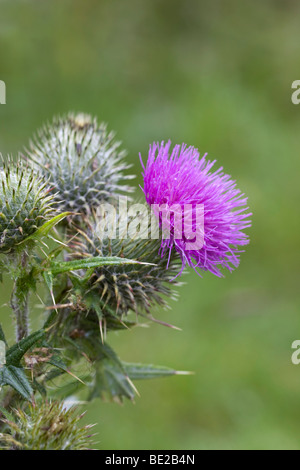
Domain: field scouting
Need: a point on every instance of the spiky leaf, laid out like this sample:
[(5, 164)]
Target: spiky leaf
[(16, 352), (147, 371), (86, 263), (46, 228), (111, 380), (16, 378)]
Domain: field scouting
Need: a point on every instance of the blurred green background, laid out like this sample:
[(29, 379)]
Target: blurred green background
[(216, 75)]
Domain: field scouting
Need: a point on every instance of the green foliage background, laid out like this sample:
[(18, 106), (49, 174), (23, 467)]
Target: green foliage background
[(216, 75)]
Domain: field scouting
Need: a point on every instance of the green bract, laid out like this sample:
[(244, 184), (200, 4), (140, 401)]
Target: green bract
[(25, 204)]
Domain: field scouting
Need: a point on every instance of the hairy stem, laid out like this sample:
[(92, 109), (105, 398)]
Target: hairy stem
[(20, 299)]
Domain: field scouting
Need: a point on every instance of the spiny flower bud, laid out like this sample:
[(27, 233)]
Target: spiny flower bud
[(25, 204), (82, 161), (46, 426), (122, 288)]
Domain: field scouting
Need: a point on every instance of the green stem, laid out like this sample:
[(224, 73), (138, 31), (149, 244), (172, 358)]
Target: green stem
[(19, 300)]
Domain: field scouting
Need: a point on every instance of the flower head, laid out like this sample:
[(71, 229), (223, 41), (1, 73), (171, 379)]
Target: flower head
[(25, 204), (127, 287), (46, 426), (180, 178), (82, 161)]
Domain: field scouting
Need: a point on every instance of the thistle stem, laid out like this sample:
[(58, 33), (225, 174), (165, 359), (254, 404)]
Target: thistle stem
[(20, 300)]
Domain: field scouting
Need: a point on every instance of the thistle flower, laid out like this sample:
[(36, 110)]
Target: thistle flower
[(127, 287), (182, 178), (25, 204), (46, 426), (82, 161)]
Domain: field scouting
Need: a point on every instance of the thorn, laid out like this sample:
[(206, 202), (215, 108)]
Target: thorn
[(57, 241), (161, 322), (184, 372), (40, 299), (56, 306), (101, 331), (75, 377), (53, 300), (133, 386)]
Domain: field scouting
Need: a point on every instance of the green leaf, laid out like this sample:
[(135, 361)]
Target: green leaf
[(40, 388), (16, 378), (53, 374), (16, 352), (86, 263), (57, 362), (48, 278), (44, 230), (145, 371), (66, 388), (110, 354), (111, 380)]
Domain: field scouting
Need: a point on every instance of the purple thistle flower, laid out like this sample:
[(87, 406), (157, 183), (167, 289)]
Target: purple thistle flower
[(183, 178)]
